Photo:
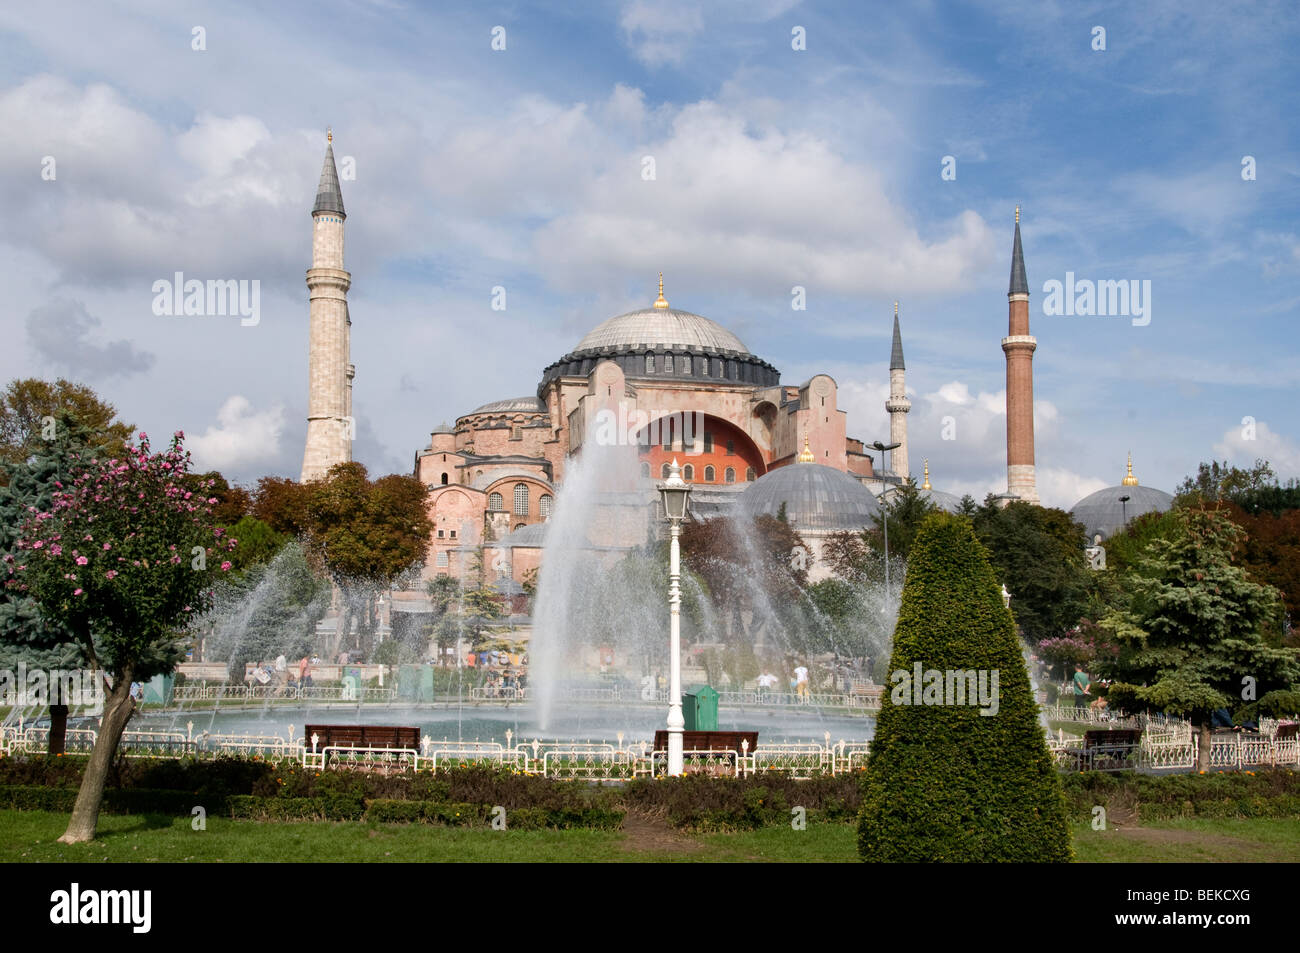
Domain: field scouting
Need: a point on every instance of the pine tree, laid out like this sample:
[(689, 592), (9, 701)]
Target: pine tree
[(945, 782), (1193, 635), (27, 635)]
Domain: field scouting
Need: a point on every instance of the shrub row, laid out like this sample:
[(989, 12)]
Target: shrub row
[(116, 800), (1272, 793), (698, 802), (477, 815)]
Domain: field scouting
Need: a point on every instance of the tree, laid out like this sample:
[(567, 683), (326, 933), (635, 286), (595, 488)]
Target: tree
[(1037, 554), (905, 510), (945, 782), (27, 635), (1221, 481), (125, 556), (1196, 628), (29, 409), (365, 533)]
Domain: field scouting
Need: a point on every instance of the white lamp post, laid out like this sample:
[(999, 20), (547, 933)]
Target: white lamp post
[(675, 492)]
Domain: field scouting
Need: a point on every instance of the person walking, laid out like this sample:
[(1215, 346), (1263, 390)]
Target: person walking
[(1082, 686), (801, 683)]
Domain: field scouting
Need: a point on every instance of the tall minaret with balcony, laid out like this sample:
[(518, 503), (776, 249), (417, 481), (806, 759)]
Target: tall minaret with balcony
[(1019, 347), (898, 405), (329, 402)]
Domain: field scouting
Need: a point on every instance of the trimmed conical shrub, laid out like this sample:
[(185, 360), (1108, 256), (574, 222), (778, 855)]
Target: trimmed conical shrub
[(945, 781)]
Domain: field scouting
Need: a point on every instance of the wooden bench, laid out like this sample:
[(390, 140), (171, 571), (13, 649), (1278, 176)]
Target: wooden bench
[(363, 736)]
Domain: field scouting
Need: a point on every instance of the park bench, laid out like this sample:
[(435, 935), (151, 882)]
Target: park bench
[(363, 736), (1110, 749), (710, 741)]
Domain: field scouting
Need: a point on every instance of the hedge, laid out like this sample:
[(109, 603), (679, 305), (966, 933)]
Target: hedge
[(945, 782)]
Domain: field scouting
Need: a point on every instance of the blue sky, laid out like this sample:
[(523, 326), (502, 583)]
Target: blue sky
[(521, 168)]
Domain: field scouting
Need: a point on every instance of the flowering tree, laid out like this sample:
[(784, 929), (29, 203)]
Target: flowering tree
[(124, 557)]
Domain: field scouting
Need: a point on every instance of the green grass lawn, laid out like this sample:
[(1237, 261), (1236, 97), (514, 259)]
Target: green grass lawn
[(29, 836)]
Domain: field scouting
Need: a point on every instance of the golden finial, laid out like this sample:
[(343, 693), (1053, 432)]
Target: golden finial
[(926, 484), (661, 301), (329, 134), (1017, 214), (806, 455), (895, 309), (1130, 480)]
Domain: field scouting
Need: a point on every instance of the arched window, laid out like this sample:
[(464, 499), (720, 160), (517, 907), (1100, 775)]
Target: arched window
[(649, 363), (521, 499), (686, 364), (496, 503), (663, 472), (645, 471), (710, 474), (544, 505), (444, 479), (731, 475), (749, 475), (704, 367), (519, 526), (688, 474)]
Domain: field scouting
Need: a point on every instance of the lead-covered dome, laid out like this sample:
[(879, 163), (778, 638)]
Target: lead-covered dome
[(662, 328), (1105, 513), (817, 498), (662, 342)]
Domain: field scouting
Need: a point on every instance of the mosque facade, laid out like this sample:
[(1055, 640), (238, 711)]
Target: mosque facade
[(686, 386)]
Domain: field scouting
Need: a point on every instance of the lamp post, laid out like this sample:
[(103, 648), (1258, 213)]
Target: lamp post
[(1123, 508), (882, 447), (675, 491)]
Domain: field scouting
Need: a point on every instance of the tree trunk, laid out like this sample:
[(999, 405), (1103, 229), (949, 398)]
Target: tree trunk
[(58, 730), (118, 707), (1204, 741)]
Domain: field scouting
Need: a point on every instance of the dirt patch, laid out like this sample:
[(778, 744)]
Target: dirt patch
[(647, 833)]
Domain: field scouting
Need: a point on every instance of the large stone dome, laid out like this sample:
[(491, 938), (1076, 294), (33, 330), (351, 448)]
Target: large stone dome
[(1103, 512), (817, 498), (662, 328), (661, 342)]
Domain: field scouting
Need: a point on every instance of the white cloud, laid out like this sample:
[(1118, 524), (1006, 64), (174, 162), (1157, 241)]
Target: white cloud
[(762, 209), (1242, 449), (241, 438)]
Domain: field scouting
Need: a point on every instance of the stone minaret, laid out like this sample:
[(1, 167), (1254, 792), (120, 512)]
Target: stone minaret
[(329, 402), (898, 405), (1019, 347)]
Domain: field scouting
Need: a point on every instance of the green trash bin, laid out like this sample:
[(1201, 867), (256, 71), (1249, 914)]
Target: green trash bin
[(415, 683), (158, 690), (700, 708)]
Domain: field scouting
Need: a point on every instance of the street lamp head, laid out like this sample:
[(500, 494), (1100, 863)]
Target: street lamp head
[(1125, 499), (674, 492), (882, 447)]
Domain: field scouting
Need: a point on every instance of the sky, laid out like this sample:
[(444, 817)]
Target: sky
[(881, 161)]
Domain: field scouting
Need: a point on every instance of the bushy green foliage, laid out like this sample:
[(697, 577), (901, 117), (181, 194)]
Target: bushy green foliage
[(944, 782), (1267, 793)]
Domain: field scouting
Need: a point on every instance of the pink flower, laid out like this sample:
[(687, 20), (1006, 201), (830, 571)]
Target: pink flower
[(225, 567), (77, 592), (38, 544), (107, 547), (110, 574), (82, 560)]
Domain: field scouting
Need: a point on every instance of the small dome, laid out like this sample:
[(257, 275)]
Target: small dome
[(945, 501), (1103, 512), (661, 328), (527, 404), (817, 498)]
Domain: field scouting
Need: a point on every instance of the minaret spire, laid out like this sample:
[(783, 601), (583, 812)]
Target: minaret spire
[(898, 405), (330, 373), (661, 302), (1019, 346)]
